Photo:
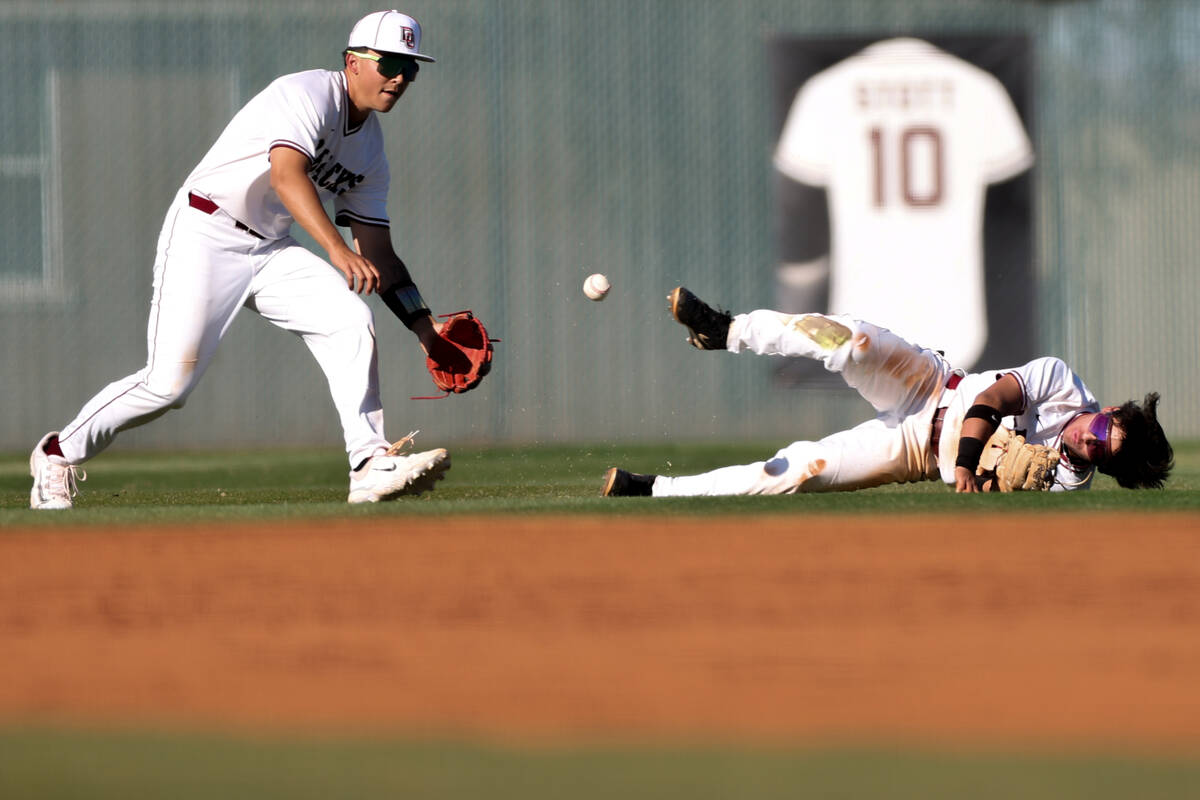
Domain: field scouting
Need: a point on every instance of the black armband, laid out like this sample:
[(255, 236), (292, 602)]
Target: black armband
[(406, 303), (969, 451), (984, 412)]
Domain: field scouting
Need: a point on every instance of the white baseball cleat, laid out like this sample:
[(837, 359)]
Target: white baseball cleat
[(386, 477), (54, 480)]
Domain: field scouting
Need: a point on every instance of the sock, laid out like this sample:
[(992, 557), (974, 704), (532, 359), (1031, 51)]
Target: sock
[(52, 448)]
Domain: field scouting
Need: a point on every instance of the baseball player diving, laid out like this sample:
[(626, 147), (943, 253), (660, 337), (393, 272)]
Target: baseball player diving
[(225, 244), (1036, 426)]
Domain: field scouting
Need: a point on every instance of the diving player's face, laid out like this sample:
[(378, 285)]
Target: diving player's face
[(1094, 438)]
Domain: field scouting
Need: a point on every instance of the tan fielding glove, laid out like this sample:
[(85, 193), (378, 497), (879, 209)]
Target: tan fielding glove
[(1015, 465)]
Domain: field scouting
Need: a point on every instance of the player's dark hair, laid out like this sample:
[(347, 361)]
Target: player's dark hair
[(1145, 458)]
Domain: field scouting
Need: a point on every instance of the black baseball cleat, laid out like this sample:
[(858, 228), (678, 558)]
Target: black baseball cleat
[(622, 483), (708, 328)]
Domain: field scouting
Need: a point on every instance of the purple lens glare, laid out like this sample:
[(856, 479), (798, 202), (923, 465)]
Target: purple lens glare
[(1101, 428)]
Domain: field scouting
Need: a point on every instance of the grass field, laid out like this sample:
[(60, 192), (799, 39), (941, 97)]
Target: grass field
[(137, 488), (39, 761), (189, 767)]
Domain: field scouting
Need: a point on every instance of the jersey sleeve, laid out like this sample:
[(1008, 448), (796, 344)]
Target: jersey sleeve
[(1007, 150), (298, 117), (1049, 380), (804, 152), (1053, 396)]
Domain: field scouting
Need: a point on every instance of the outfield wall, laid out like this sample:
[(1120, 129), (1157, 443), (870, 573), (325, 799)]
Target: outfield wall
[(552, 140)]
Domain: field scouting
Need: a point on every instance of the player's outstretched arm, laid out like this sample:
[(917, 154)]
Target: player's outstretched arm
[(289, 179), (1002, 398), (374, 243), (458, 352), (396, 285)]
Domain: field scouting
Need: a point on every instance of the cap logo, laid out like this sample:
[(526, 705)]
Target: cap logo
[(410, 38)]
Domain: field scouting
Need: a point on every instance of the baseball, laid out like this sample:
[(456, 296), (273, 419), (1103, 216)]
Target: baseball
[(596, 287)]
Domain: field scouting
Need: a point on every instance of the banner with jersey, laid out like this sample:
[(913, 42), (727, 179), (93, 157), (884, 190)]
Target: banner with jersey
[(903, 190)]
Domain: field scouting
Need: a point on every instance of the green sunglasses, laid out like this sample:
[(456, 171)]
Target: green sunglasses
[(392, 65)]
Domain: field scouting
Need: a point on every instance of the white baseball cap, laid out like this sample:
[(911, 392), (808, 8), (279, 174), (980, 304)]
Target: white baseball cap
[(389, 32)]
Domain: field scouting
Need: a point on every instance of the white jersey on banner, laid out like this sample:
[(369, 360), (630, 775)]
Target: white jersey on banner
[(906, 137)]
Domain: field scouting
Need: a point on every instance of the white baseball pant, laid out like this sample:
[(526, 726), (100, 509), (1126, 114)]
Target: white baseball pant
[(205, 271), (902, 381)]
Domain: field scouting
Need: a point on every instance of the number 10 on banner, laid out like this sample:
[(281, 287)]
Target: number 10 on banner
[(911, 159)]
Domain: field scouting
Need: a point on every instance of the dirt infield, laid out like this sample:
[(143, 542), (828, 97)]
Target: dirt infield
[(1077, 630)]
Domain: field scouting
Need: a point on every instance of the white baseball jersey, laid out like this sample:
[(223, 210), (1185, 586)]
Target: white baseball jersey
[(905, 138), (305, 111), (1053, 395)]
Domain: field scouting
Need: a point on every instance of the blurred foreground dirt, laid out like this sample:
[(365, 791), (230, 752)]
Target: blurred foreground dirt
[(1065, 630)]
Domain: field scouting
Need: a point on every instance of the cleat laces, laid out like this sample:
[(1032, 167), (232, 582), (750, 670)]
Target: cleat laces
[(62, 482)]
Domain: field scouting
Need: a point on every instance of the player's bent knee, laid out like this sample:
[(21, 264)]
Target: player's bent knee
[(169, 397), (348, 313), (170, 389)]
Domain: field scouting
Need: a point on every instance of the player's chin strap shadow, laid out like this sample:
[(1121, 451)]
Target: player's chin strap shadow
[(484, 370)]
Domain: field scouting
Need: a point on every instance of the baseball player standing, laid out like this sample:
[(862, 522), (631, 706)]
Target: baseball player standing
[(932, 420), (226, 244)]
